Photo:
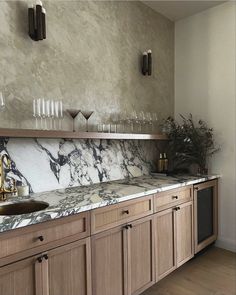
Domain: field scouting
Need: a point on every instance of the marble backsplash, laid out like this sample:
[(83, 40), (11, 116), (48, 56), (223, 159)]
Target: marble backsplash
[(48, 164)]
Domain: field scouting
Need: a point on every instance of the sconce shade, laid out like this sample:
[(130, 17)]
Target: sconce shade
[(147, 63), (37, 22), (31, 22)]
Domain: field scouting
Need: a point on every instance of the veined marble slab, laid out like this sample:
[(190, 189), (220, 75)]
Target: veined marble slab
[(69, 201)]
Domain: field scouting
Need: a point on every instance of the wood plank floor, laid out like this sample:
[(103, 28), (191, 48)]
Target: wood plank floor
[(211, 273)]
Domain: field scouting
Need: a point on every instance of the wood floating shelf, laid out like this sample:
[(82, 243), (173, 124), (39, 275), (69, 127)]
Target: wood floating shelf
[(32, 133)]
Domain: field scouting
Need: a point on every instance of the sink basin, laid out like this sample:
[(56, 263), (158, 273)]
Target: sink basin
[(22, 207)]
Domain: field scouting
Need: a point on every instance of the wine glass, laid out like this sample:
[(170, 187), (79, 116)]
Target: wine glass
[(35, 112), (87, 115), (149, 120), (2, 102), (48, 114), (155, 121), (61, 114), (73, 113)]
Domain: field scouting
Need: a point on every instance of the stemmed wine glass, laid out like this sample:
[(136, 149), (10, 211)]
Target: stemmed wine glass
[(73, 113), (2, 102), (87, 115)]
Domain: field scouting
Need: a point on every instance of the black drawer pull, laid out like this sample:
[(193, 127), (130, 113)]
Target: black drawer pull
[(126, 227), (125, 211), (175, 197), (41, 238), (130, 225)]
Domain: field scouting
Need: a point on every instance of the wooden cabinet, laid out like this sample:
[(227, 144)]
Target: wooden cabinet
[(130, 247), (205, 214), (165, 243), (173, 238), (31, 240), (184, 233), (108, 262), (111, 216), (69, 269), (123, 259), (140, 256), (19, 278)]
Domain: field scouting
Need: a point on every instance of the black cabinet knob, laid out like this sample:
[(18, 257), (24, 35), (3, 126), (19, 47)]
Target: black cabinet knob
[(175, 197), (196, 188), (45, 256), (41, 238), (126, 227), (40, 259), (130, 225)]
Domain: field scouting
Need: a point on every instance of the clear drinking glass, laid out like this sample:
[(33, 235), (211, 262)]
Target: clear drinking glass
[(73, 113), (35, 113), (87, 115), (149, 122), (61, 114), (155, 121), (2, 102), (48, 115)]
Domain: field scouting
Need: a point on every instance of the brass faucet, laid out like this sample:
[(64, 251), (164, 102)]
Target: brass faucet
[(3, 191)]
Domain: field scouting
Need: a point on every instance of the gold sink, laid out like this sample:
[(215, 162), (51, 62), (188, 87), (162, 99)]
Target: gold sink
[(22, 207)]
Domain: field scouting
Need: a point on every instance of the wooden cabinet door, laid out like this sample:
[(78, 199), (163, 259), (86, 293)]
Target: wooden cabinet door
[(22, 278), (184, 233), (108, 262), (140, 242), (69, 269), (165, 232)]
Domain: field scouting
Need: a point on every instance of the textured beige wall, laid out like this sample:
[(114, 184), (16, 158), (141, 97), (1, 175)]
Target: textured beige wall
[(90, 59)]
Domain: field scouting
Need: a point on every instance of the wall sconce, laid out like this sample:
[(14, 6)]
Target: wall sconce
[(37, 21), (147, 63)]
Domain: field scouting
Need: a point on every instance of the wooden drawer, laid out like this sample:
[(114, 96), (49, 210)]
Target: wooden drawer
[(114, 215), (33, 239), (172, 198)]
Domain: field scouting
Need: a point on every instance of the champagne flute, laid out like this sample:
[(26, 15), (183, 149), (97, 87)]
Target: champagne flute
[(87, 115), (73, 113), (35, 112), (61, 114), (43, 112), (38, 111), (48, 114), (2, 102), (56, 104)]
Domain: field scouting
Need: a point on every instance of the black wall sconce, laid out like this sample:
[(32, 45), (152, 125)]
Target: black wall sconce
[(147, 63), (37, 21)]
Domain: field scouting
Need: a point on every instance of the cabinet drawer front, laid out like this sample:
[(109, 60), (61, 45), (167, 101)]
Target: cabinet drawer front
[(114, 215), (171, 198), (45, 234)]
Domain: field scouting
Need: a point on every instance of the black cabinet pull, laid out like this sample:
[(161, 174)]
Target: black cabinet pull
[(126, 227), (40, 259), (178, 208), (125, 211), (196, 188), (175, 197), (41, 238), (45, 256), (175, 209), (130, 225)]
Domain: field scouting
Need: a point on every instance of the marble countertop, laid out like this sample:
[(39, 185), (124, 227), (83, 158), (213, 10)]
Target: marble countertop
[(69, 201)]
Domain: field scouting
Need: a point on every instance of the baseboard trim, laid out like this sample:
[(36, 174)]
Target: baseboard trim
[(226, 244)]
